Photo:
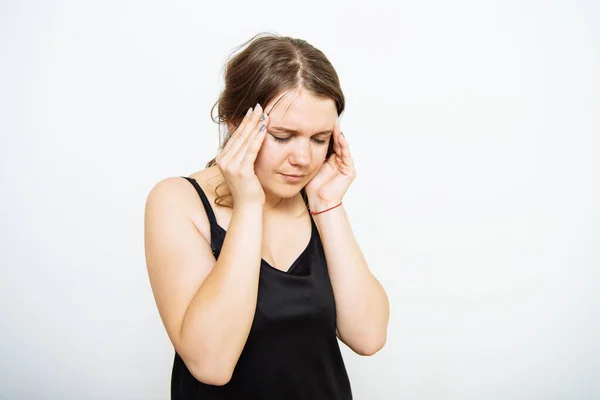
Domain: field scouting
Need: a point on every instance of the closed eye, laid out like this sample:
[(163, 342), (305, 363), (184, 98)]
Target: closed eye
[(280, 139), (287, 139)]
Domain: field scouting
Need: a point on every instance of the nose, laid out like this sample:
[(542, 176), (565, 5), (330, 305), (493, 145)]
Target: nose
[(300, 153)]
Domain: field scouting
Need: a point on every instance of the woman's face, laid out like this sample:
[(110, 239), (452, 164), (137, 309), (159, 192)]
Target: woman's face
[(300, 128)]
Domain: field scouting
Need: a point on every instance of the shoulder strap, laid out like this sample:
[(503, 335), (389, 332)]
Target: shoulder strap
[(207, 207)]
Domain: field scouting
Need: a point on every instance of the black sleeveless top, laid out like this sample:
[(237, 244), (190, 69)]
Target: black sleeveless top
[(292, 350)]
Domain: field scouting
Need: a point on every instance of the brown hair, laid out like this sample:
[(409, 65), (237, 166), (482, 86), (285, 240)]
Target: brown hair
[(268, 65)]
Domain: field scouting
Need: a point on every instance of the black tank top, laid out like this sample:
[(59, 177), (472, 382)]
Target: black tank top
[(292, 350)]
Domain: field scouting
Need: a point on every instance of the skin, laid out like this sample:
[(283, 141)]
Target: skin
[(195, 292), (302, 153)]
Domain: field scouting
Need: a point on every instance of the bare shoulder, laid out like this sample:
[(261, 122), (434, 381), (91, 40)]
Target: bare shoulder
[(175, 197), (178, 256), (208, 179)]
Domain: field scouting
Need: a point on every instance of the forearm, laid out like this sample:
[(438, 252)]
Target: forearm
[(218, 319), (361, 302)]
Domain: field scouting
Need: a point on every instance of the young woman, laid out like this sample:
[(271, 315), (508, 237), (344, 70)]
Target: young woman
[(252, 261)]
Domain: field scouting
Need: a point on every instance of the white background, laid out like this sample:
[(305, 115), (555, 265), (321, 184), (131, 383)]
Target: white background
[(474, 127)]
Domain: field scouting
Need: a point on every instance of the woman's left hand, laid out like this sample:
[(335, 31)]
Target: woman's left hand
[(327, 188)]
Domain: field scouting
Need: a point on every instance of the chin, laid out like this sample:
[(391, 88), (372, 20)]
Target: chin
[(282, 190), (285, 193)]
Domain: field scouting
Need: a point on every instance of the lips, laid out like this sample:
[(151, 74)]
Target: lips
[(293, 178)]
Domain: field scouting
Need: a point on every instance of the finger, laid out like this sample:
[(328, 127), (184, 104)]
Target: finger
[(346, 158), (345, 147), (335, 136), (336, 147), (247, 130), (238, 130), (331, 161), (342, 148), (340, 138), (254, 147), (261, 128)]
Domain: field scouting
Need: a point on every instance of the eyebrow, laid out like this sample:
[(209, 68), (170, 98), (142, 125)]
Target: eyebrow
[(294, 131)]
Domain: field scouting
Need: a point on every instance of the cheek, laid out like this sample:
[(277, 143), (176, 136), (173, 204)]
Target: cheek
[(261, 159), (268, 156)]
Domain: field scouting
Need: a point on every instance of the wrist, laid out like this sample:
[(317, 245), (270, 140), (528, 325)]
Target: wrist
[(320, 207)]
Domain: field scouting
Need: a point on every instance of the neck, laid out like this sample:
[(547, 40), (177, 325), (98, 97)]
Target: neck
[(274, 203)]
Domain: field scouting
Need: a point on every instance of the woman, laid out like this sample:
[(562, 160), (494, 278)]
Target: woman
[(252, 261)]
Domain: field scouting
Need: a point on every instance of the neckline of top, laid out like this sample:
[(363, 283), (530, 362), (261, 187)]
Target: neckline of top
[(295, 262)]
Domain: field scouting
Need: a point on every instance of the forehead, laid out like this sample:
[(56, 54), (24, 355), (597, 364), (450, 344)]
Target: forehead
[(301, 110)]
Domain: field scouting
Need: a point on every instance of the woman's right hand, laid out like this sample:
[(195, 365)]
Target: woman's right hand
[(236, 160)]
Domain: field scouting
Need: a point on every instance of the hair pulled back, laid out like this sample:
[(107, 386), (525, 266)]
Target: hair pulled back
[(265, 66)]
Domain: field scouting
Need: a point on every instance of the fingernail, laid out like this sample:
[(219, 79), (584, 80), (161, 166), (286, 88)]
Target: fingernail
[(257, 107), (264, 116), (262, 128), (249, 111)]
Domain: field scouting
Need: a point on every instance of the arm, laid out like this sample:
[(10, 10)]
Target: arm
[(362, 305), (207, 306)]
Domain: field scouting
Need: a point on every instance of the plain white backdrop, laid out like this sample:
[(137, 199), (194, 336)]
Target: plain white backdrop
[(474, 126)]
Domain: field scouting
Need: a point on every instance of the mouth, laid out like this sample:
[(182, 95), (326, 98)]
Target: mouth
[(292, 178)]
